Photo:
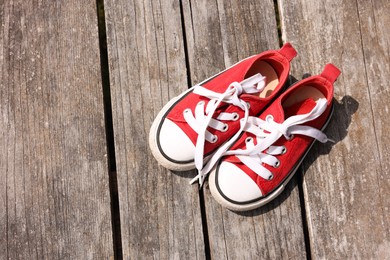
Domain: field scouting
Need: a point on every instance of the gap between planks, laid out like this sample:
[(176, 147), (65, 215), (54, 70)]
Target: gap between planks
[(113, 181)]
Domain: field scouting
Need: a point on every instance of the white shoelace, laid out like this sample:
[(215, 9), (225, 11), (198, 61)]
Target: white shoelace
[(268, 132), (203, 115)]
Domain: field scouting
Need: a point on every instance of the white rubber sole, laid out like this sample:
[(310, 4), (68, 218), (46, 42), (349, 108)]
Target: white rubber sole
[(153, 139), (263, 201)]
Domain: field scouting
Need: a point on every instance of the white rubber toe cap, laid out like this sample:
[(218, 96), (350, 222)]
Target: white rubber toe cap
[(235, 184), (174, 143)]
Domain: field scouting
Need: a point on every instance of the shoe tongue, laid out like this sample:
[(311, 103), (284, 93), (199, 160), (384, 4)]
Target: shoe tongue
[(303, 107), (280, 113)]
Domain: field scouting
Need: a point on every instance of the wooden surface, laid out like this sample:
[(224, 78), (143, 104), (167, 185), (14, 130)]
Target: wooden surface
[(54, 196), (159, 210), (347, 185), (54, 173)]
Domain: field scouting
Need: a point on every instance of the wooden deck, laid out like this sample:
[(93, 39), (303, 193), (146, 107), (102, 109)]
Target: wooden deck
[(77, 179)]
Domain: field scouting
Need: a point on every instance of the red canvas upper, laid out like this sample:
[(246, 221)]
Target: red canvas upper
[(297, 146), (279, 60)]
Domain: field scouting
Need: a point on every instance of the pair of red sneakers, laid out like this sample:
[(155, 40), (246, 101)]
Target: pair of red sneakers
[(239, 127)]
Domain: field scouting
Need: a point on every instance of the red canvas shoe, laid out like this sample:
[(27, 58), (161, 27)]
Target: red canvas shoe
[(260, 163), (192, 126)]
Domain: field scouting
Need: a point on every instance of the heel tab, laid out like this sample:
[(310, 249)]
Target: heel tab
[(288, 51), (331, 72)]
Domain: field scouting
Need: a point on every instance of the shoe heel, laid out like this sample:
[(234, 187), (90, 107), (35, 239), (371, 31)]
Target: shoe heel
[(288, 51), (330, 72)]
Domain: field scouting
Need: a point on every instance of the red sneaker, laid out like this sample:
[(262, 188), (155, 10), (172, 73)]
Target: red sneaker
[(261, 162), (195, 124)]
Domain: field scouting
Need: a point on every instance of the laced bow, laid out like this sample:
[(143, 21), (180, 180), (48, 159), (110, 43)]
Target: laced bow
[(203, 117)]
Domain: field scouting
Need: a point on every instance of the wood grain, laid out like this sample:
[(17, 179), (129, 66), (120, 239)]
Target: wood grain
[(160, 213), (54, 194), (220, 33), (347, 185)]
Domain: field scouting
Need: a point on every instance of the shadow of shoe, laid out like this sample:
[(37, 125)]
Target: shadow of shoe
[(186, 174), (336, 130)]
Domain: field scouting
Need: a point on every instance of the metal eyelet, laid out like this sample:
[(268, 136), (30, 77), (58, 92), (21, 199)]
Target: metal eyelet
[(284, 150), (269, 118), (200, 103), (187, 110), (225, 128), (248, 139), (214, 140), (277, 164), (289, 137), (248, 105), (236, 116), (270, 177)]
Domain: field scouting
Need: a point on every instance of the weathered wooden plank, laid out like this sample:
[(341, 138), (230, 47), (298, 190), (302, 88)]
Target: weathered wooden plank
[(160, 212), (219, 33), (347, 185), (54, 194)]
